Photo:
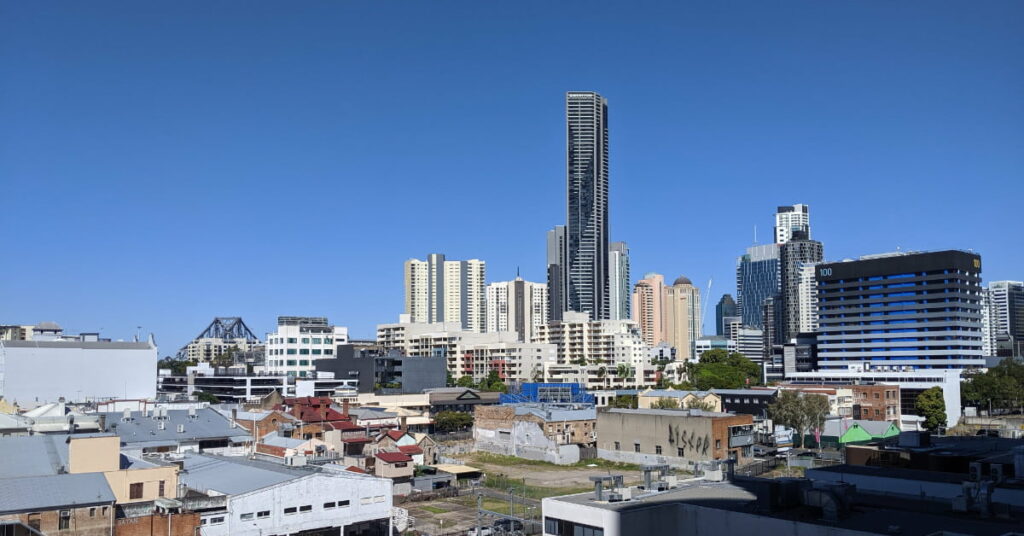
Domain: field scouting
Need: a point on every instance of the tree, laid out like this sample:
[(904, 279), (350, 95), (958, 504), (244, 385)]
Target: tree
[(177, 366), (226, 358), (701, 405), (449, 380), (801, 412), (719, 369), (932, 406), (450, 421), (623, 401), (207, 397), (665, 403), (1000, 388), (464, 381)]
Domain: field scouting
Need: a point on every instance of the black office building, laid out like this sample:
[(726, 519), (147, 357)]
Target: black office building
[(385, 371), (725, 314), (900, 312)]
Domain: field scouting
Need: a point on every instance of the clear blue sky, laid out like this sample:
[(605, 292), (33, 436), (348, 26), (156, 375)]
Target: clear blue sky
[(162, 163)]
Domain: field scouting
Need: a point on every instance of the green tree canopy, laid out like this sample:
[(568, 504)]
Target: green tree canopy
[(177, 366), (701, 405), (932, 406), (464, 381), (623, 401), (207, 397), (450, 421), (999, 388), (719, 369), (665, 403), (799, 411)]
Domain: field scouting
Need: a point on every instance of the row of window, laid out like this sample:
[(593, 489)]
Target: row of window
[(303, 509), (657, 448), (302, 351), (305, 340)]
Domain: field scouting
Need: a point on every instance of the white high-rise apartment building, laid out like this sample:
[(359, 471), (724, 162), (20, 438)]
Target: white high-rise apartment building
[(439, 290), (791, 218), (518, 306), (299, 341), (468, 353), (807, 294), (619, 297), (1002, 317), (600, 354)]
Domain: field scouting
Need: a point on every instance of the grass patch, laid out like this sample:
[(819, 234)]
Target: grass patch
[(433, 509), (502, 459), (503, 483)]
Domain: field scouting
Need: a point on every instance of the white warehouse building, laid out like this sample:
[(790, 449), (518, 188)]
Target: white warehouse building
[(41, 371), (265, 498)]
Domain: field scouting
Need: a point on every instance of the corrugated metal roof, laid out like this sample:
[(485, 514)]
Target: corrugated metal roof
[(275, 440), (208, 424), (35, 493), (37, 455), (745, 392), (102, 345), (206, 473), (672, 393)]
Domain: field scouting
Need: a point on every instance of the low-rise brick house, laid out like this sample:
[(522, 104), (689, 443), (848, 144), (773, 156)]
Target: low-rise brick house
[(677, 437), (876, 402), (79, 504)]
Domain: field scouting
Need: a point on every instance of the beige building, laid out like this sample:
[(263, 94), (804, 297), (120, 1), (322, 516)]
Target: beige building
[(134, 481), (517, 306), (439, 290), (599, 354), (648, 307), (682, 318), (668, 314), (682, 399), (676, 437)]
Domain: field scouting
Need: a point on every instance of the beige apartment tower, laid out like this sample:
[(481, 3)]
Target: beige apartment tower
[(439, 290)]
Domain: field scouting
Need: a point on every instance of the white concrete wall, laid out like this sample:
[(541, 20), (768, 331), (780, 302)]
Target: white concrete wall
[(46, 374), (525, 440), (369, 498)]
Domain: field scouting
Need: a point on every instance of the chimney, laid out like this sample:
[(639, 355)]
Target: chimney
[(234, 416), (402, 425), (344, 407), (103, 422)]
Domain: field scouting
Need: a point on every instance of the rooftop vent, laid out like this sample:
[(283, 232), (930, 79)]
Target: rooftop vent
[(181, 428)]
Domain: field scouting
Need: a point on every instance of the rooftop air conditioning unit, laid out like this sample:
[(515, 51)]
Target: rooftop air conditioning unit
[(974, 472), (996, 472), (181, 428), (161, 425)]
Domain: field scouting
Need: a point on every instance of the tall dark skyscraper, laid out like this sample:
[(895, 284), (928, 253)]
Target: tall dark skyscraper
[(796, 253), (757, 279), (725, 313), (556, 273), (585, 272)]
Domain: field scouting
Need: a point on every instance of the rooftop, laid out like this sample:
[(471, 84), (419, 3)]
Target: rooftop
[(50, 492), (670, 412), (94, 345), (140, 428), (233, 476)]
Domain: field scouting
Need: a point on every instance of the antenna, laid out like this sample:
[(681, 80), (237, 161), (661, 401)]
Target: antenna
[(755, 234)]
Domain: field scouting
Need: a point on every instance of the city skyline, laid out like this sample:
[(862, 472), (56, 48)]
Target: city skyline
[(121, 238)]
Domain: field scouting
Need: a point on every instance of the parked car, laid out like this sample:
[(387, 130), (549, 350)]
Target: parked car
[(508, 525), (484, 531), (763, 451)]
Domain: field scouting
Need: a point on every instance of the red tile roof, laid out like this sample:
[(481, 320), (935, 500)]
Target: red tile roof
[(393, 457), (344, 426), (355, 469), (312, 414), (356, 439), (410, 449), (395, 434)]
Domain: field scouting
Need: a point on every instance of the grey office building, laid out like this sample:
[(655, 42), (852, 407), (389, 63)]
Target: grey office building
[(900, 312), (757, 279), (556, 263), (725, 313), (585, 272)]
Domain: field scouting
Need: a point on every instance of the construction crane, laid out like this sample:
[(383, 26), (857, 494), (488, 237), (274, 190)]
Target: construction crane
[(704, 305)]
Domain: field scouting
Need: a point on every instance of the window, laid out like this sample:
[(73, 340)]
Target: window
[(316, 340), (316, 351), (342, 504), (92, 512), (636, 447), (378, 499), (291, 340), (306, 508), (328, 351), (718, 443), (679, 452), (104, 511), (160, 488), (617, 446), (657, 449), (135, 491), (64, 523), (246, 517), (291, 510), (264, 513), (216, 520), (329, 505), (303, 362), (304, 351), (305, 340)]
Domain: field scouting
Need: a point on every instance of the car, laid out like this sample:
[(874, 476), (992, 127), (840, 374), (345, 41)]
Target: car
[(763, 451), (809, 454), (484, 531), (508, 525)]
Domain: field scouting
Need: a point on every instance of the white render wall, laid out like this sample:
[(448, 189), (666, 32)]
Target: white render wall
[(77, 371), (369, 498)]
